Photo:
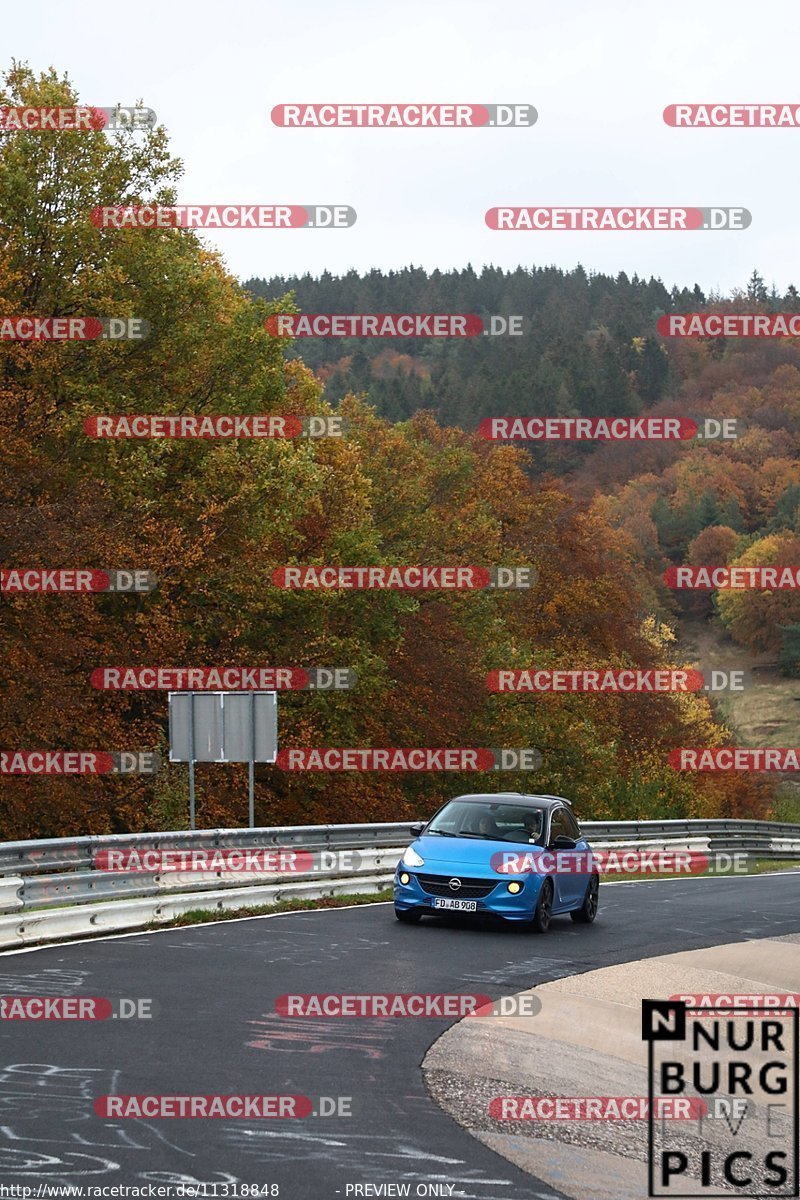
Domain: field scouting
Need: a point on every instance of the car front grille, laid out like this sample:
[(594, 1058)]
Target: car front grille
[(471, 889)]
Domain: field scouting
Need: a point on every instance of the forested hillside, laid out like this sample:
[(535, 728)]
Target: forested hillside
[(212, 519), (590, 348), (588, 345)]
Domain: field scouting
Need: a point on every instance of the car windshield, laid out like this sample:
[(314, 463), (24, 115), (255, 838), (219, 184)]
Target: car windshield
[(491, 820)]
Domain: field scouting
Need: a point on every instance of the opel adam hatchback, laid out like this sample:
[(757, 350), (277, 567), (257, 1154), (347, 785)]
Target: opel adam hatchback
[(518, 857)]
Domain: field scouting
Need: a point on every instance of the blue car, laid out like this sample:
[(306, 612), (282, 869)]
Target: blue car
[(518, 857)]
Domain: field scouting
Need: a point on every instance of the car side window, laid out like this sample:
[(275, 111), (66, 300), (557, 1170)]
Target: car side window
[(573, 828), (558, 824)]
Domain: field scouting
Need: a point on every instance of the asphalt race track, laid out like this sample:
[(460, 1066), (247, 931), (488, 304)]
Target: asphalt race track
[(215, 1030)]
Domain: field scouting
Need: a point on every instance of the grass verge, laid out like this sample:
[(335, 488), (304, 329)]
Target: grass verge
[(203, 916), (759, 866)]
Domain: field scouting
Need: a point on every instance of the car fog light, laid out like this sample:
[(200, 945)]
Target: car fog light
[(405, 877), (514, 888)]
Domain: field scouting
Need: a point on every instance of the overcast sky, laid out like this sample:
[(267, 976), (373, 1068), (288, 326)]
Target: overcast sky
[(599, 72)]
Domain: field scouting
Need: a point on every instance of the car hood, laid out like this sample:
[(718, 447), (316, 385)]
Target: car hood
[(468, 856)]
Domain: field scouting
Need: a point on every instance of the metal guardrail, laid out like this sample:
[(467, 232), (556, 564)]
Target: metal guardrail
[(60, 853), (53, 889)]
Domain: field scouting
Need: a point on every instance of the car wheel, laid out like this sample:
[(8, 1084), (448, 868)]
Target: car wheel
[(544, 909), (588, 910), (408, 916)]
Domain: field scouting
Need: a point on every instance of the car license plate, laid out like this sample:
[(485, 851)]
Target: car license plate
[(459, 905)]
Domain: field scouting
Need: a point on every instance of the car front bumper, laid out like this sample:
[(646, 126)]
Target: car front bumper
[(498, 902)]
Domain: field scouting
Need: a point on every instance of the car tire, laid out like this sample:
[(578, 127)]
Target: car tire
[(408, 916), (588, 910), (544, 909)]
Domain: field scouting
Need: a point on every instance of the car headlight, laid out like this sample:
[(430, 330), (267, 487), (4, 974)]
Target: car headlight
[(412, 859)]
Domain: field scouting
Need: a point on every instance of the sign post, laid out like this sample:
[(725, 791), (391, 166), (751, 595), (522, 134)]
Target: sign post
[(251, 766), (223, 727), (191, 756)]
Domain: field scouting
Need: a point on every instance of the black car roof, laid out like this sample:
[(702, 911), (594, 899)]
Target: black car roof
[(546, 802)]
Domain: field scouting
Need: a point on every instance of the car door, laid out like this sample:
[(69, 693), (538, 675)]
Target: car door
[(570, 883), (584, 859)]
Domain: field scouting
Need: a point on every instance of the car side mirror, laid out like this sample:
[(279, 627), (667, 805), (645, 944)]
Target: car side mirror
[(417, 827), (563, 843)]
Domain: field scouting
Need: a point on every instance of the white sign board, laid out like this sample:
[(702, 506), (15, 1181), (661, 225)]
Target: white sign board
[(223, 727)]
